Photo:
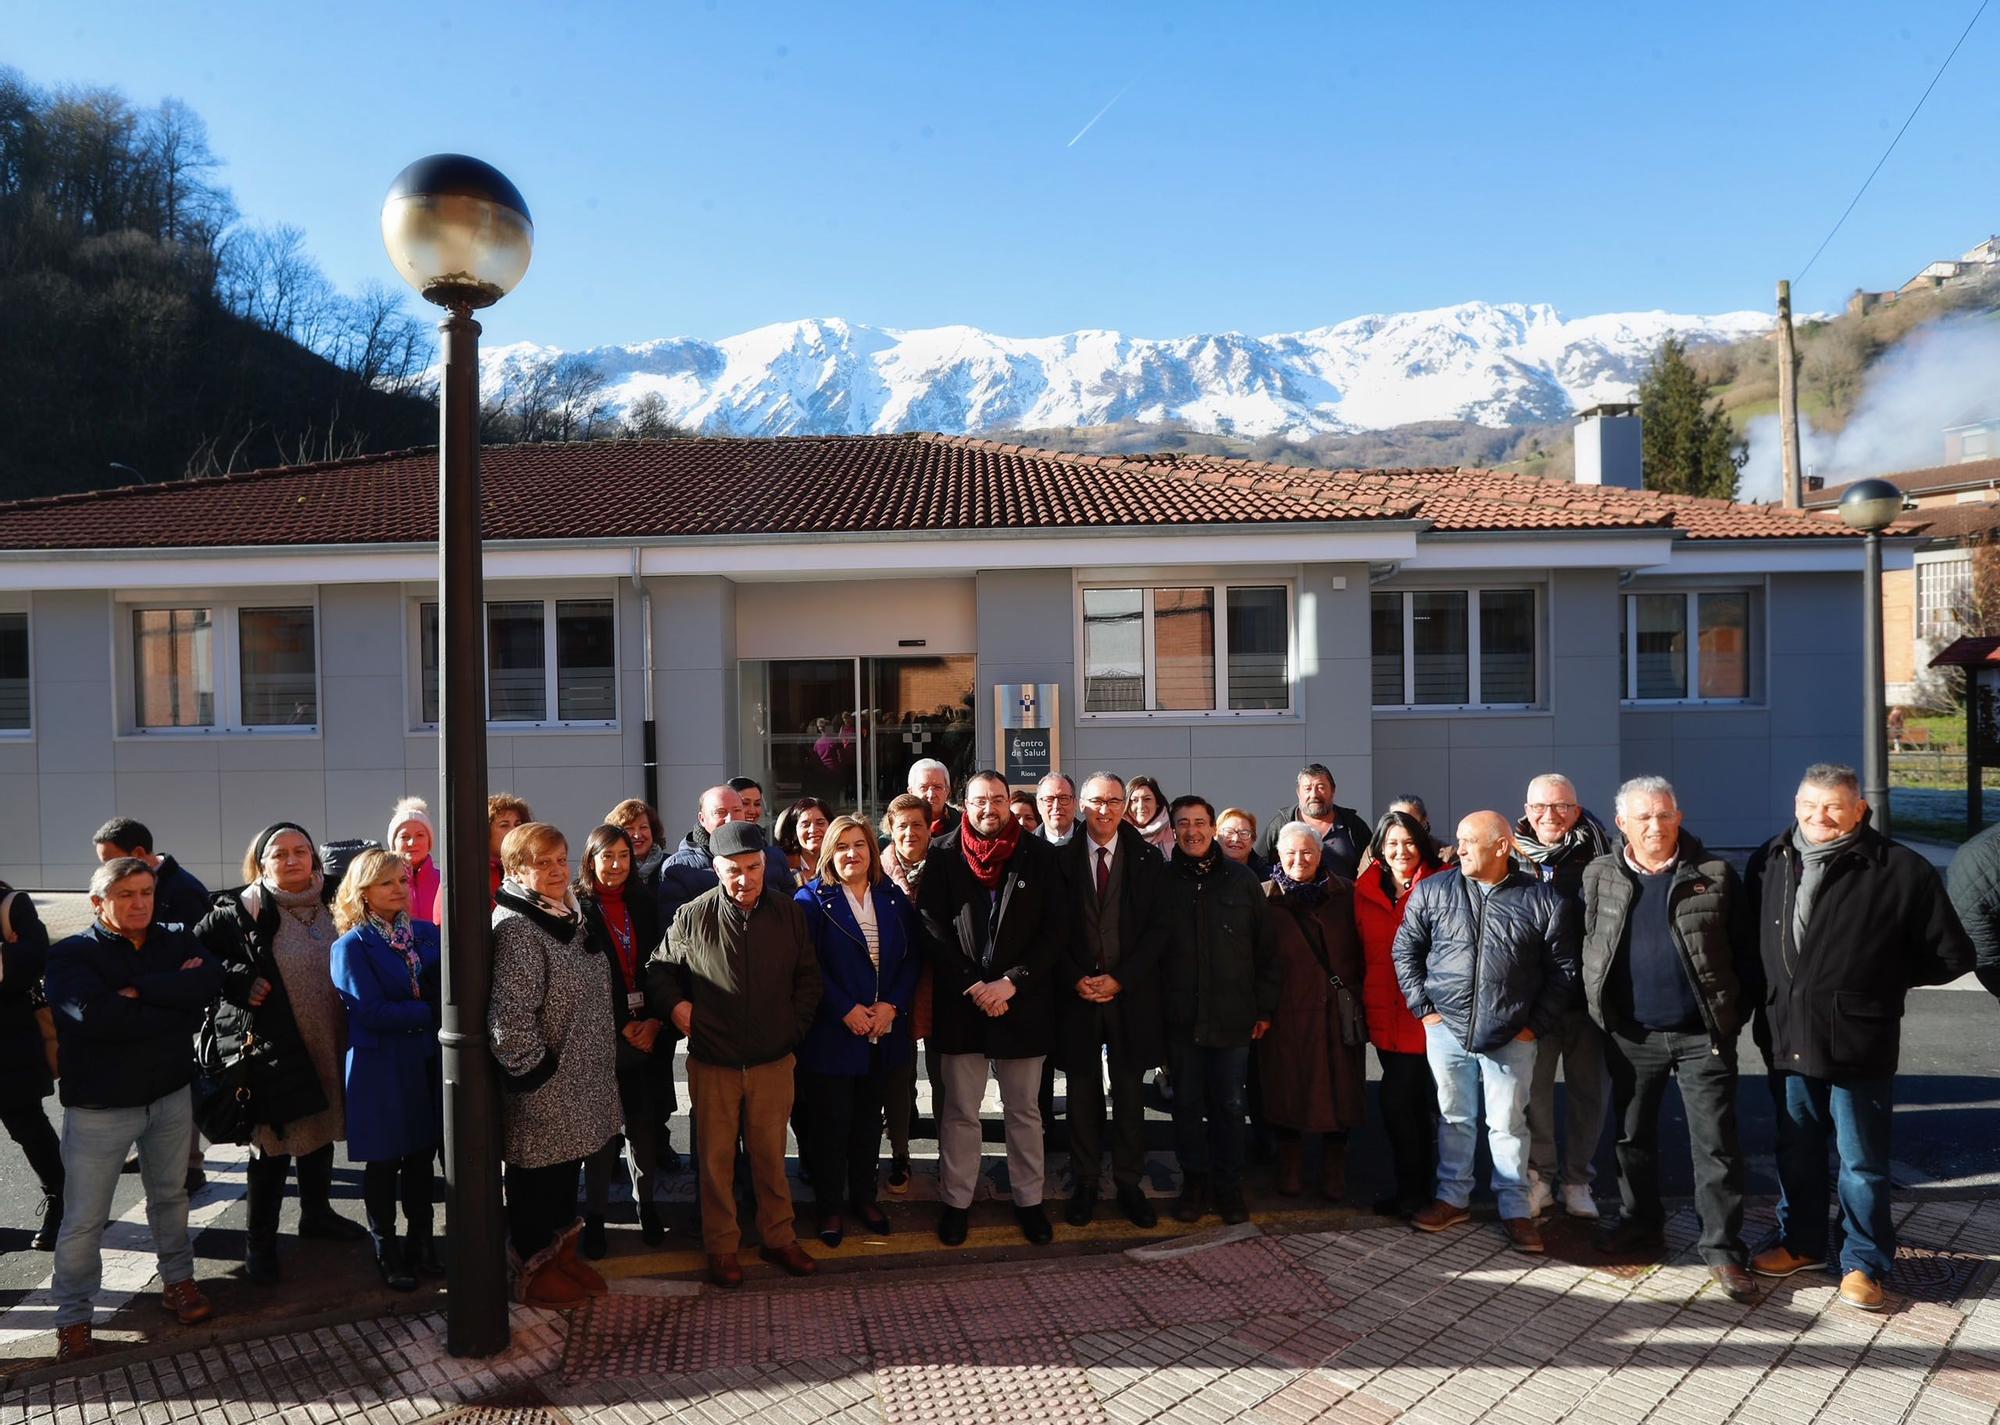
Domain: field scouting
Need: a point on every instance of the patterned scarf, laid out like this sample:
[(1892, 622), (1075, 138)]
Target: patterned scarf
[(402, 937), (1306, 895), (565, 910)]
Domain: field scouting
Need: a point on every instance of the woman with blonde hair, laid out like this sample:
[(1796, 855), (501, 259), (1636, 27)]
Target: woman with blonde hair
[(385, 967), (864, 933)]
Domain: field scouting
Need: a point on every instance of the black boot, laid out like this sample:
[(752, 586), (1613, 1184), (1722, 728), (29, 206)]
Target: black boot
[(392, 1261), (316, 1215), (1189, 1206), (266, 1189), (45, 1236)]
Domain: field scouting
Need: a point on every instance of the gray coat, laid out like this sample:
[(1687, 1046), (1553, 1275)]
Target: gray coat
[(551, 1028)]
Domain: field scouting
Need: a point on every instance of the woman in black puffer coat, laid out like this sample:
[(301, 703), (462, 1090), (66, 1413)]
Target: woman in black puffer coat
[(274, 940), (24, 1066)]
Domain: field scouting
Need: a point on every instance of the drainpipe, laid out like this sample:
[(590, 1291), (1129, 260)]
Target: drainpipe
[(650, 750)]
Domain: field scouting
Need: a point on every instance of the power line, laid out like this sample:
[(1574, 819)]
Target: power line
[(1894, 141)]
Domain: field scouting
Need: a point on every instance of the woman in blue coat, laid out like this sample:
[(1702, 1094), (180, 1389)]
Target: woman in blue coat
[(385, 966), (863, 931)]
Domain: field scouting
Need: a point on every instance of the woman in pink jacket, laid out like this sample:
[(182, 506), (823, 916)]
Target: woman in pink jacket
[(410, 837)]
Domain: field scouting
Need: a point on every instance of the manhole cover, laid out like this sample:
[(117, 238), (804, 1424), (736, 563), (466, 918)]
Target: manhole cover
[(523, 1405), (1930, 1275)]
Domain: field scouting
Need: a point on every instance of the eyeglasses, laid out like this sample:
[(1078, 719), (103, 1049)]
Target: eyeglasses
[(987, 801), (1103, 803), (1541, 808), (1060, 799)]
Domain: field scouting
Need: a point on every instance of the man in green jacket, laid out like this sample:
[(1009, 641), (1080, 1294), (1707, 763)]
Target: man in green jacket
[(739, 978), (1667, 968)]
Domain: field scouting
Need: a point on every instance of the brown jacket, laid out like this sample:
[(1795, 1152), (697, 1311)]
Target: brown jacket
[(753, 979), (1312, 1081)]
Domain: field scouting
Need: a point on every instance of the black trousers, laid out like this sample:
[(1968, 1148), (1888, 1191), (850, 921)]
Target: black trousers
[(1086, 1107), (899, 1107), (846, 1142), (1640, 1062), (28, 1125), (1410, 1119), (541, 1202), (405, 1180), (266, 1173)]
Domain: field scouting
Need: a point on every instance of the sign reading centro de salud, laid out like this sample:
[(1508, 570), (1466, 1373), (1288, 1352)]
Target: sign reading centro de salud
[(1030, 753)]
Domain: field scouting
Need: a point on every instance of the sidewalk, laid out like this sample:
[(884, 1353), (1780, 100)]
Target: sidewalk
[(1369, 1325)]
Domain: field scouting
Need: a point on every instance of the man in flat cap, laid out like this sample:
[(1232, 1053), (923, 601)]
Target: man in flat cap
[(737, 976)]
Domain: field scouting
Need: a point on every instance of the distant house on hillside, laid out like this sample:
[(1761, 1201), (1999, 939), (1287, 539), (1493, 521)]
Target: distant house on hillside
[(1976, 264)]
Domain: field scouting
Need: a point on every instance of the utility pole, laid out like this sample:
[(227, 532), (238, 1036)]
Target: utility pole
[(1788, 399)]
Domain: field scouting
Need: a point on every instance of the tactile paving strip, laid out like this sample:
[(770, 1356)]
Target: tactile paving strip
[(1035, 1381), (618, 1335)]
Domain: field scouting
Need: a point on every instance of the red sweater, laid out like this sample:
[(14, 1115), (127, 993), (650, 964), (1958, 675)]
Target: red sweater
[(1391, 1026)]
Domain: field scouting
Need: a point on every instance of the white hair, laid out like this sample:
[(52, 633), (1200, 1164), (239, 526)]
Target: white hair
[(921, 769), (1645, 787), (1551, 778), (1299, 828)]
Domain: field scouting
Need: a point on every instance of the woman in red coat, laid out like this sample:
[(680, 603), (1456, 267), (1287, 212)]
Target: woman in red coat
[(1400, 854)]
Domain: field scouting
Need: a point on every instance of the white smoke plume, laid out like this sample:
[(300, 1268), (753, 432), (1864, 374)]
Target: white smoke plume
[(1946, 373)]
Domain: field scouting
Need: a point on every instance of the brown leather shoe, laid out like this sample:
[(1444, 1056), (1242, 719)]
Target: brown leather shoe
[(185, 1300), (1861, 1291), (1735, 1281), (1782, 1261), (791, 1258), (1523, 1235), (1439, 1217), (724, 1270), (73, 1343)]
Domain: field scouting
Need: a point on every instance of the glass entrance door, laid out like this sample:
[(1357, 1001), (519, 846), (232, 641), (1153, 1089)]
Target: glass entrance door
[(846, 730)]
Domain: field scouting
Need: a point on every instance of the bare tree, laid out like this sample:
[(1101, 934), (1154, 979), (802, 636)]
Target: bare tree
[(268, 276), (647, 419), (579, 409)]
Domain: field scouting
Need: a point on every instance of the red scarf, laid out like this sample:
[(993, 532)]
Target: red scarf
[(943, 822), (988, 856), (618, 920)]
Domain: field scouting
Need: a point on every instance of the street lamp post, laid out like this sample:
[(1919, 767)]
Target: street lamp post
[(1871, 506), (460, 234)]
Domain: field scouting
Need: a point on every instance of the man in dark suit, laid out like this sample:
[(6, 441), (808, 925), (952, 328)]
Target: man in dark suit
[(1108, 997), (996, 923)]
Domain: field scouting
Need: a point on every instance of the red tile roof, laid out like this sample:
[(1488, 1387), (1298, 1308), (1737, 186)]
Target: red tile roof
[(838, 484), (1933, 479)]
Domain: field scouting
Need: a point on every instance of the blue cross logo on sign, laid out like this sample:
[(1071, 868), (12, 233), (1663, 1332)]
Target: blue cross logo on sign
[(1028, 701)]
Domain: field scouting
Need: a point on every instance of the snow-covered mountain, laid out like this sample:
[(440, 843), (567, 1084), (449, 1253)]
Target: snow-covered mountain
[(1491, 364)]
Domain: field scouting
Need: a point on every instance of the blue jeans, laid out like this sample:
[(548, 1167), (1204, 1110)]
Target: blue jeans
[(1854, 1114), (1209, 1102), (1505, 1075), (94, 1144)]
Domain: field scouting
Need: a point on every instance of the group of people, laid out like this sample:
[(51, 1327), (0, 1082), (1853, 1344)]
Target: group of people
[(1100, 929)]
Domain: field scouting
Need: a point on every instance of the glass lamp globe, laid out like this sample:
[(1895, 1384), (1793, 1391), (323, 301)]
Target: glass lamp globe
[(1871, 506), (457, 230)]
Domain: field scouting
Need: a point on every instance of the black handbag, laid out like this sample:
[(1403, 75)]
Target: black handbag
[(225, 1088)]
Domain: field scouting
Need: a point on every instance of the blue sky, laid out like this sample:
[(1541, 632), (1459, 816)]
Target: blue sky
[(704, 168)]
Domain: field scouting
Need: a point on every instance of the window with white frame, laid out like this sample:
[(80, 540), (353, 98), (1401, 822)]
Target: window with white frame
[(213, 667), (1944, 588), (15, 714), (549, 662), (1195, 647), (1454, 648), (1686, 646)]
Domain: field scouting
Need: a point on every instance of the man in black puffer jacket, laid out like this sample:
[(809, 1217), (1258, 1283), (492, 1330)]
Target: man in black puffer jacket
[(1848, 924), (1487, 959), (127, 994), (1219, 987), (1667, 972)]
